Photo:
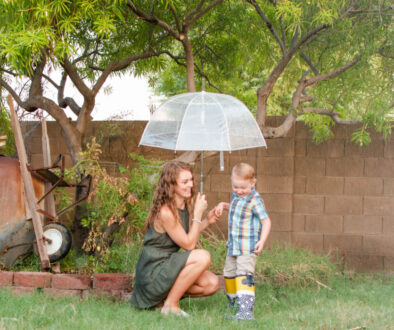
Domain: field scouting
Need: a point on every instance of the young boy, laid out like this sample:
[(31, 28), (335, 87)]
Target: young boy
[(248, 229)]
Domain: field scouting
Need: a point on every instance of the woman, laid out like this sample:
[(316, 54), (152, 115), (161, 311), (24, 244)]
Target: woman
[(164, 275)]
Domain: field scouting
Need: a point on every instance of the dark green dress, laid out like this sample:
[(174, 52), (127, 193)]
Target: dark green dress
[(158, 266)]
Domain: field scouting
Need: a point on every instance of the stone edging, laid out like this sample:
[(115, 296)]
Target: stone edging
[(118, 286), (114, 285)]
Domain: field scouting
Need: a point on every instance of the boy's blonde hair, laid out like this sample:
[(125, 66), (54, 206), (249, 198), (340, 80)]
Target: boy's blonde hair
[(244, 171)]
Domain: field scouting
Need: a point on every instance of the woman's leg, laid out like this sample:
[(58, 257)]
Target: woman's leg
[(206, 285), (189, 279)]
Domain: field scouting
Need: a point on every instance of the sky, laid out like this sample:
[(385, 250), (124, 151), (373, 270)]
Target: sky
[(128, 98), (121, 98)]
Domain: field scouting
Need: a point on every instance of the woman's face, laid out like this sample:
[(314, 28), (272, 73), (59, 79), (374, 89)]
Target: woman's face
[(184, 184)]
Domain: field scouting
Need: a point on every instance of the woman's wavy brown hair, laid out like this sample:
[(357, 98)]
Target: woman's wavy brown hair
[(164, 192)]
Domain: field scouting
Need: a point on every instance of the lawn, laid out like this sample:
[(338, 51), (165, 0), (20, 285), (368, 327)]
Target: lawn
[(355, 302)]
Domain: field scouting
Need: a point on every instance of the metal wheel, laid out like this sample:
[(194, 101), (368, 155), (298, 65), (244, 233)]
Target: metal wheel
[(59, 241)]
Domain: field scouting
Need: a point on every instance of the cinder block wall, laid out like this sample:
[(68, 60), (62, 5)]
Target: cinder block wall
[(334, 196)]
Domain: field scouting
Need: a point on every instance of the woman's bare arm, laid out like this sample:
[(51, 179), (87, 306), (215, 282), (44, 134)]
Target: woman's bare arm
[(175, 230)]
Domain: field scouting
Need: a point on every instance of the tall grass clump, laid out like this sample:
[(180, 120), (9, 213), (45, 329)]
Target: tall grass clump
[(283, 265)]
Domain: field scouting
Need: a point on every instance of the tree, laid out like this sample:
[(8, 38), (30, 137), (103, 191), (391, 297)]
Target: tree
[(86, 40), (310, 58), (179, 21)]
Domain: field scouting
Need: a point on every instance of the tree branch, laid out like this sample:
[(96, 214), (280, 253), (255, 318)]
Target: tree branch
[(201, 13), (16, 97), (269, 25), (152, 19), (333, 114), (309, 62), (76, 79)]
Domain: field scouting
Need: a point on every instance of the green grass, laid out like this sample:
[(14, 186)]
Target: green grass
[(361, 301)]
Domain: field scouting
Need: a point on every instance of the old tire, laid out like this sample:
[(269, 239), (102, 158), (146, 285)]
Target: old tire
[(60, 241)]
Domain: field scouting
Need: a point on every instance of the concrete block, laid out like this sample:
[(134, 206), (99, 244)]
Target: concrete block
[(302, 131), (388, 186), (381, 245), (388, 264), (321, 185), (112, 281), (341, 131), (345, 167), (362, 224), (71, 281), (280, 221), (207, 181), (311, 241), (306, 204), (343, 205), (298, 222), (34, 145), (388, 225), (214, 198), (300, 148), (374, 149), (63, 292), (234, 160), (275, 166), (343, 242), (274, 184), (36, 160), (6, 278), (378, 205), (388, 148), (310, 166), (221, 183), (32, 279), (324, 223), (328, 149), (363, 263), (379, 167), (282, 147), (300, 184), (212, 165), (277, 202), (278, 237), (363, 186)]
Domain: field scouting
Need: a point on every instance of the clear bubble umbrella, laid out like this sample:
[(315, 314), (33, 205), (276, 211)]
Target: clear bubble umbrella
[(203, 121)]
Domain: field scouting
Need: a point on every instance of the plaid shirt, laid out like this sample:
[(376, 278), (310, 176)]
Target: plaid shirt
[(244, 223)]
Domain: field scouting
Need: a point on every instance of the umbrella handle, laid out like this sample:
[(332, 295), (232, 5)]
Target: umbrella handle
[(221, 161), (202, 173)]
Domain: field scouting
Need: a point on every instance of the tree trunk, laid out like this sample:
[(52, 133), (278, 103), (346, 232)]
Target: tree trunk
[(80, 233), (191, 86), (264, 92)]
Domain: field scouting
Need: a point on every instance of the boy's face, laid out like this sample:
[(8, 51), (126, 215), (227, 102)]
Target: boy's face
[(242, 187)]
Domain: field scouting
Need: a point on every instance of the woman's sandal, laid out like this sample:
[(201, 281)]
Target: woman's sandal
[(173, 311)]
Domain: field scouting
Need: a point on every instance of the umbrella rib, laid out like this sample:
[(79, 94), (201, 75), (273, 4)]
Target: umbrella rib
[(184, 115), (227, 127)]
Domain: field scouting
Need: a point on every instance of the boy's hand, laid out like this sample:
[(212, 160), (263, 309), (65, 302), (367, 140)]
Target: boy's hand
[(258, 248), (220, 207)]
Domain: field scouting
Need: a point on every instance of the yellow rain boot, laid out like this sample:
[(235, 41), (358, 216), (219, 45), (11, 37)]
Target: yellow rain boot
[(231, 291), (245, 297)]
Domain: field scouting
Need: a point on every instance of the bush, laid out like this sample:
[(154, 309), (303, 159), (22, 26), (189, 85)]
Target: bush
[(116, 204)]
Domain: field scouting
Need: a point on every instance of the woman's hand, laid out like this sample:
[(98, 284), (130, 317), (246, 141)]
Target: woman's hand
[(200, 206)]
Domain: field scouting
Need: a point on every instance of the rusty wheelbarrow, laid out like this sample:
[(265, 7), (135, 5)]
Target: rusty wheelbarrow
[(23, 191), (17, 237)]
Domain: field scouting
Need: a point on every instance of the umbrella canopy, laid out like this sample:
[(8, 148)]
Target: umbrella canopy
[(203, 121)]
